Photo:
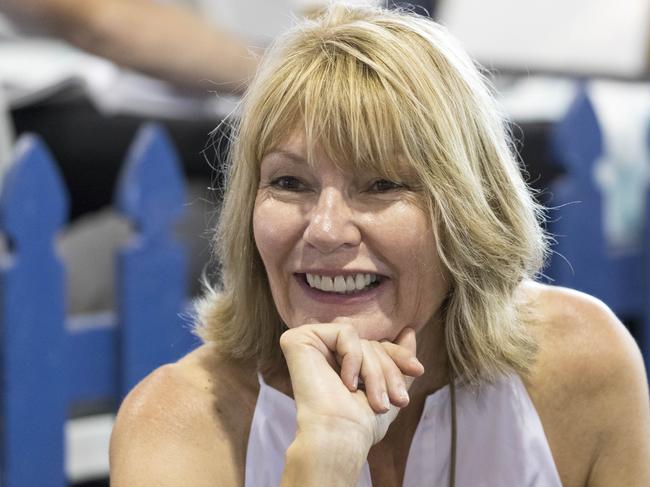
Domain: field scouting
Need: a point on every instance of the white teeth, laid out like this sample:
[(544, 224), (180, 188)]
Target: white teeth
[(350, 284), (359, 282), (326, 283), (341, 284)]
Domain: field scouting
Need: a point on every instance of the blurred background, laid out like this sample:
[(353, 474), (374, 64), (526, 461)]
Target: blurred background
[(110, 153)]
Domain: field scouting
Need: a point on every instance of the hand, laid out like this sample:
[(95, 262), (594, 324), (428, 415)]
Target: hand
[(325, 363)]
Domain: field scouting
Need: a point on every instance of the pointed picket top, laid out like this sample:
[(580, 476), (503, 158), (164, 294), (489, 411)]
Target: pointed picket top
[(150, 188), (33, 200), (577, 139)]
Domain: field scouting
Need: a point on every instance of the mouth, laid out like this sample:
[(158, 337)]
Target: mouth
[(326, 291), (342, 284), (329, 289)]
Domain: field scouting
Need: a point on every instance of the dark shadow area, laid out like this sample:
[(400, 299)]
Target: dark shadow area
[(93, 483)]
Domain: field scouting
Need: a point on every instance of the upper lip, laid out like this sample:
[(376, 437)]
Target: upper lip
[(339, 272)]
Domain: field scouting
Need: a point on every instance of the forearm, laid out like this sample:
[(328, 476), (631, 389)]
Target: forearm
[(315, 461), (165, 41)]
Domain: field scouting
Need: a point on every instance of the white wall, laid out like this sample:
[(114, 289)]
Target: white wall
[(575, 36)]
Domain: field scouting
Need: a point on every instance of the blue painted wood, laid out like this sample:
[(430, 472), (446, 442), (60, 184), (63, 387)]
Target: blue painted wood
[(592, 267), (48, 364), (33, 207), (93, 342), (152, 269)]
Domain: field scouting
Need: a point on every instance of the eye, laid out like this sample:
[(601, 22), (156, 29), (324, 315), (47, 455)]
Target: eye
[(384, 185), (288, 183)]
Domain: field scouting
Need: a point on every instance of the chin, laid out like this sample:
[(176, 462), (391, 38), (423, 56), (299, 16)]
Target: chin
[(368, 328), (377, 332)]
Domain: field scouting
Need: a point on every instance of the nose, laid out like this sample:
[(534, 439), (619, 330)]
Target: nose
[(332, 223)]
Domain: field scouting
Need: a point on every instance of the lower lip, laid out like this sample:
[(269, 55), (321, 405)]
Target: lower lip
[(368, 294)]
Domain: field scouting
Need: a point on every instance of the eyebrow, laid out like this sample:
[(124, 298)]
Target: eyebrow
[(286, 154)]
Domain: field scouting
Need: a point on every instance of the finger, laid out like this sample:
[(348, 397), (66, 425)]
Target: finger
[(406, 362), (395, 383), (344, 341), (403, 353), (407, 339), (348, 349), (373, 378), (338, 343)]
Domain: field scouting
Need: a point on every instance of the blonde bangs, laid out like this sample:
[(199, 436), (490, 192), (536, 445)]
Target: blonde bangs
[(347, 106)]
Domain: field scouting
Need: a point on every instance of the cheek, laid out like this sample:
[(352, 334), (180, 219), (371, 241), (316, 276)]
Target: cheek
[(434, 285), (274, 231), (423, 283), (265, 233), (407, 232)]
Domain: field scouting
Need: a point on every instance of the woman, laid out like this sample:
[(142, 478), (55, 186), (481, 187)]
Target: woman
[(377, 246)]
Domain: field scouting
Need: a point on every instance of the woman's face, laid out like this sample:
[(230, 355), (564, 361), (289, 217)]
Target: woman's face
[(344, 246)]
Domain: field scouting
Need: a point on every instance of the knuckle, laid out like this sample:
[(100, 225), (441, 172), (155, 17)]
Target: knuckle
[(372, 374), (287, 338), (354, 357), (395, 378), (357, 352), (348, 330)]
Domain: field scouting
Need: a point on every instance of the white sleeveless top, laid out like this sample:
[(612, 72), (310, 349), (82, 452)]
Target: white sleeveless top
[(500, 440)]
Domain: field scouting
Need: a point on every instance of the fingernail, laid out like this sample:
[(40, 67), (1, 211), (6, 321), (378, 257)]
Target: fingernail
[(416, 362), (355, 382), (401, 391), (384, 400)]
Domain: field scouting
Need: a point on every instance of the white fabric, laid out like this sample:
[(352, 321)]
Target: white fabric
[(501, 442)]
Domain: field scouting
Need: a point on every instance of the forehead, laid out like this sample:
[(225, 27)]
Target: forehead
[(348, 118), (296, 148)]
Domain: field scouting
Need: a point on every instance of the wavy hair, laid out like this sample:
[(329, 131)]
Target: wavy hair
[(370, 85)]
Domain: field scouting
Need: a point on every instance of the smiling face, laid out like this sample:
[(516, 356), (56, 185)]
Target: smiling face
[(343, 245)]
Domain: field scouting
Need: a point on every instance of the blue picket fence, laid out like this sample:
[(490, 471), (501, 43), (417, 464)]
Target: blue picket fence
[(50, 363), (47, 366)]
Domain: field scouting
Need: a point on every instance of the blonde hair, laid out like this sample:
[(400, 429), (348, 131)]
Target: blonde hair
[(371, 86)]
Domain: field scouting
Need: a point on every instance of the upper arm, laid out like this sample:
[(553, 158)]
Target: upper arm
[(622, 454), (163, 436), (590, 389)]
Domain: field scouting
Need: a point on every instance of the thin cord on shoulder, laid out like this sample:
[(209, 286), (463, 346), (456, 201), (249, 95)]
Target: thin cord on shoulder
[(452, 461)]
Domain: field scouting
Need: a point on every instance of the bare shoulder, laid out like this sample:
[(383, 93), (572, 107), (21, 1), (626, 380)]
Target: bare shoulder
[(580, 336), (589, 387), (185, 424)]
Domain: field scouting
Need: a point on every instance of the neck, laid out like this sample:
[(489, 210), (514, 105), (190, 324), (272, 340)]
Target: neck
[(432, 353)]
